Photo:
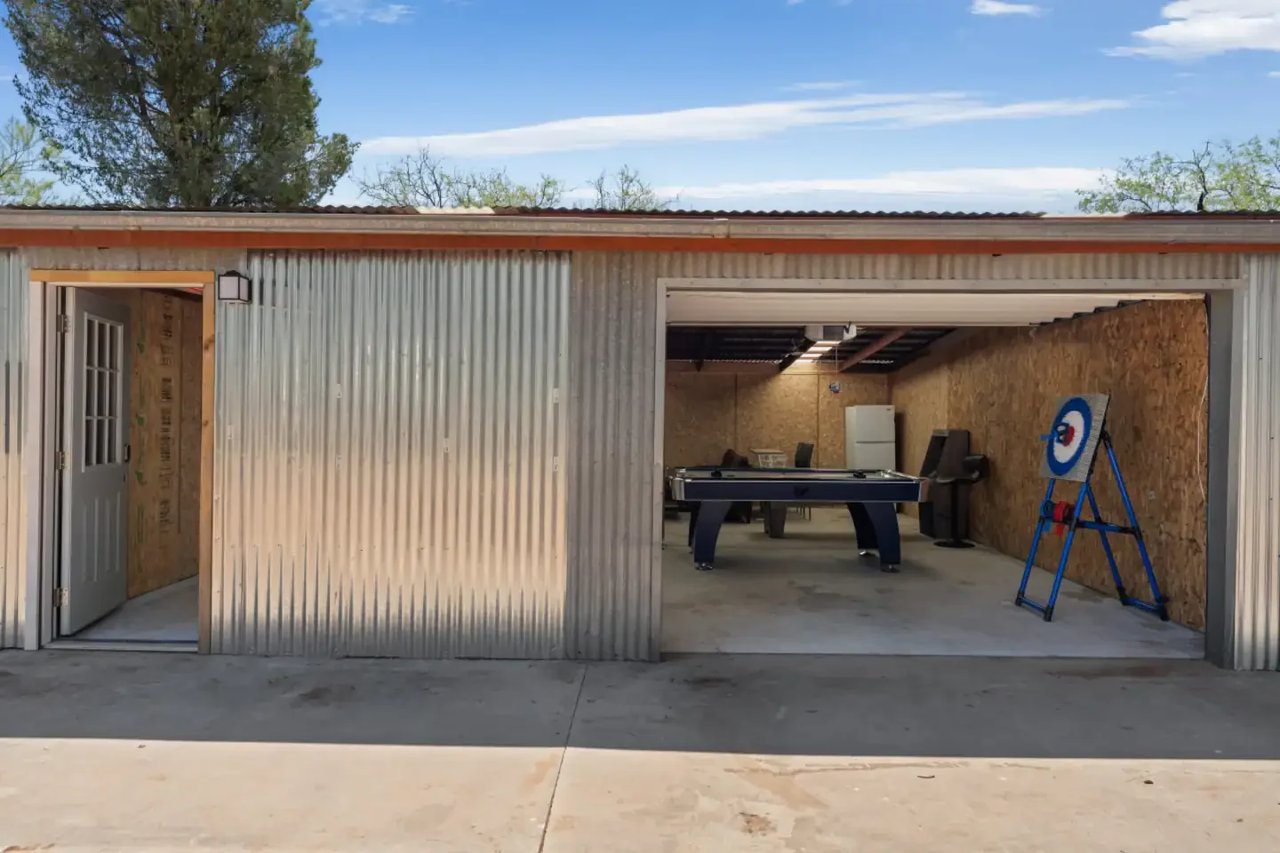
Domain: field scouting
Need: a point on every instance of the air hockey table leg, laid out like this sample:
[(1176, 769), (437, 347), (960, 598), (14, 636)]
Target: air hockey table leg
[(876, 526), (775, 519), (704, 530)]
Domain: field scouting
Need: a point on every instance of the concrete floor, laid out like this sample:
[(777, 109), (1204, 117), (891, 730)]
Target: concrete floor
[(118, 751), (811, 594), (166, 615)]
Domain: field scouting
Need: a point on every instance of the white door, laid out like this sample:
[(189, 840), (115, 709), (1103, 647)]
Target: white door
[(95, 434)]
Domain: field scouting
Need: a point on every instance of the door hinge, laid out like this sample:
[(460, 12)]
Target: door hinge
[(64, 324), (60, 596), (60, 460)]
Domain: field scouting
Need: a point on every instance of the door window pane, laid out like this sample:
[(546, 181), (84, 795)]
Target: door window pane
[(103, 391)]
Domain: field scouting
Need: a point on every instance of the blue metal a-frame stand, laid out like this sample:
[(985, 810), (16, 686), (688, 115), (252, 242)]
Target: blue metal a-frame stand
[(1073, 522)]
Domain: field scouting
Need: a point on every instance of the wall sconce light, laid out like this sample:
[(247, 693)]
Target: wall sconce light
[(235, 286)]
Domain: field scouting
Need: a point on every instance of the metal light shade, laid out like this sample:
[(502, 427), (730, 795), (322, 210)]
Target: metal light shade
[(234, 286)]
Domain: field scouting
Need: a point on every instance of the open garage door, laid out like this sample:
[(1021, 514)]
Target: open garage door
[(761, 379)]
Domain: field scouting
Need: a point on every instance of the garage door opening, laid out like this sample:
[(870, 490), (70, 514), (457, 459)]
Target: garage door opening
[(123, 412), (938, 387)]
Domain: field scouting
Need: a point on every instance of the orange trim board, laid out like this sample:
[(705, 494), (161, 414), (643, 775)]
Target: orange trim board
[(349, 241), (134, 278)]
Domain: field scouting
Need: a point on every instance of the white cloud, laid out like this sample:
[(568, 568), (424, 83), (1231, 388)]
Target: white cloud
[(999, 7), (360, 11), (1032, 182), (1199, 28), (744, 121), (1274, 74)]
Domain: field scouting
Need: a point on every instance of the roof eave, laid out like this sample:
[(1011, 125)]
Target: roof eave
[(648, 232)]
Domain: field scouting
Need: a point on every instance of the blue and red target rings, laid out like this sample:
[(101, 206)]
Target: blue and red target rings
[(1069, 436)]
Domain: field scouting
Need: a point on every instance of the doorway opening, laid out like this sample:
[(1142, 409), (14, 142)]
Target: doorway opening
[(867, 389), (125, 393)]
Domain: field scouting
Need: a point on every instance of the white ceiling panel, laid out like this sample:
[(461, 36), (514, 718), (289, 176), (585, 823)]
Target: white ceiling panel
[(686, 307)]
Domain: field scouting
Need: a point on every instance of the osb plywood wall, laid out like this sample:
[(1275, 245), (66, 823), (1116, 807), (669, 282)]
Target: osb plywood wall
[(1003, 384), (710, 411), (164, 487), (164, 467), (920, 399)]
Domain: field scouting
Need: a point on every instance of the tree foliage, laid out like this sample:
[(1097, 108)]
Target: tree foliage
[(1215, 176), (196, 103), (25, 160), (424, 180), (625, 189)]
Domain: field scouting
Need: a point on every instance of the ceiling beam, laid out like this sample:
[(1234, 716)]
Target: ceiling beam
[(872, 348), (799, 349)]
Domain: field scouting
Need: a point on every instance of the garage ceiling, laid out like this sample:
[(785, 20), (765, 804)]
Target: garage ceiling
[(889, 309), (776, 344)]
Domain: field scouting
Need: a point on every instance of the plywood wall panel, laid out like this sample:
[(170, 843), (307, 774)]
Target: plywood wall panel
[(191, 352), (778, 411), (920, 394), (701, 412), (712, 410), (1152, 359)]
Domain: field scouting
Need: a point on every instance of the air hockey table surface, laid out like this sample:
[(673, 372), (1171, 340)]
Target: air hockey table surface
[(796, 485), (871, 497)]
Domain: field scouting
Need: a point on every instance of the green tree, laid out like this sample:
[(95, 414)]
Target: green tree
[(423, 180), (25, 160), (625, 189), (1215, 176), (196, 103)]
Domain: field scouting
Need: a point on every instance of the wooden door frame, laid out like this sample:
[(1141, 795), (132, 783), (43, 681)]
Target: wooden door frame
[(39, 627)]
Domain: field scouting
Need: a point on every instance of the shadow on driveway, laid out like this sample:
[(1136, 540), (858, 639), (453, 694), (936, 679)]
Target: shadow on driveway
[(779, 705)]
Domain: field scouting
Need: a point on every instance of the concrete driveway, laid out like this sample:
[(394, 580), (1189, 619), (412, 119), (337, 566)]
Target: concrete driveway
[(111, 751)]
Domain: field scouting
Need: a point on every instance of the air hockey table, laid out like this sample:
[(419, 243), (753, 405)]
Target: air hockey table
[(871, 497)]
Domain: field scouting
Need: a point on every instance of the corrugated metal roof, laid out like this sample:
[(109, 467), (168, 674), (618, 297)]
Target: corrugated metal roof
[(764, 214), (372, 210), (391, 210)]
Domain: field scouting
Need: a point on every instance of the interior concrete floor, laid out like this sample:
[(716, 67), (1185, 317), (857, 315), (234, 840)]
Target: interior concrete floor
[(811, 593), (166, 615), (123, 751)]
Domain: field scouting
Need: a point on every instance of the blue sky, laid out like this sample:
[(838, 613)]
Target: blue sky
[(870, 104)]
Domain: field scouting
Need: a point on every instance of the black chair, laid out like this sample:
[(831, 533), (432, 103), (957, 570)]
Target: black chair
[(741, 511), (804, 459), (804, 455)]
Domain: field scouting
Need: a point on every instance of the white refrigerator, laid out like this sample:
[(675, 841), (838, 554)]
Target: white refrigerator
[(869, 441)]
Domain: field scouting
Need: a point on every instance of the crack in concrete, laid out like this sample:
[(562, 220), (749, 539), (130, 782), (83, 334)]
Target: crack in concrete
[(564, 751)]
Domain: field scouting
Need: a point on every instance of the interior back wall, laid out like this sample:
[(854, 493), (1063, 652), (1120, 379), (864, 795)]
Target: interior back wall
[(754, 406), (1003, 385)]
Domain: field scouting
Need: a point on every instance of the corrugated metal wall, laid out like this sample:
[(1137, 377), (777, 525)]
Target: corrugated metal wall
[(949, 267), (1255, 642), (614, 523), (614, 536), (389, 476), (13, 513), (386, 475)]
